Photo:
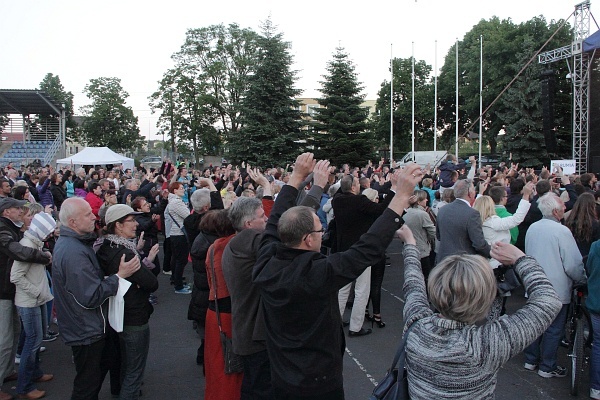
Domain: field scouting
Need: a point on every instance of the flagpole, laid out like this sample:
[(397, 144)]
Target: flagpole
[(435, 101), (391, 106), (480, 93), (456, 116), (413, 103)]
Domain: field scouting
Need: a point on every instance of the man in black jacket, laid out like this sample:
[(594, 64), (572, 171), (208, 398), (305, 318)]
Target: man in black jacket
[(11, 220), (299, 286), (354, 215)]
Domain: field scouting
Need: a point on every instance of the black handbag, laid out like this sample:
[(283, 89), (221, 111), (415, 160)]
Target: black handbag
[(394, 386), (506, 279), (233, 362)]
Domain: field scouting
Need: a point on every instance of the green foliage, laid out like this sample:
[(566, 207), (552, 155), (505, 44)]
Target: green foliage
[(270, 118), (340, 130), (108, 121), (503, 58), (205, 87), (402, 100), (53, 87)]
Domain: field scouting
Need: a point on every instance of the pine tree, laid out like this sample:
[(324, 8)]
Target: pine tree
[(523, 115), (341, 124), (270, 115)]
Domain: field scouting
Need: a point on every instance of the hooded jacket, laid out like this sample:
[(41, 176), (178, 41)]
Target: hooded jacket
[(11, 249), (80, 288)]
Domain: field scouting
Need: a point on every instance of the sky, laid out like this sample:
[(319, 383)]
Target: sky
[(133, 40)]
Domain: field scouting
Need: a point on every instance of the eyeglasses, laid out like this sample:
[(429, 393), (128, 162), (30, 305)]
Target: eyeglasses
[(129, 220), (311, 232)]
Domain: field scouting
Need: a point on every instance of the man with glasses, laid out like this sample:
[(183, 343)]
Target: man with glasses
[(354, 214), (299, 285)]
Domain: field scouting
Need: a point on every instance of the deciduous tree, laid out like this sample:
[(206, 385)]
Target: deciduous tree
[(108, 120)]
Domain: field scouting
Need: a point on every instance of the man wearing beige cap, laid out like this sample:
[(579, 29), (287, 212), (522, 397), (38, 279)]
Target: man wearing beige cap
[(80, 293)]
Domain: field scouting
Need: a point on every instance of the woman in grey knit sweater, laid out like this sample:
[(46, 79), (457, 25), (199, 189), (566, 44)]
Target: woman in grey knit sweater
[(447, 355)]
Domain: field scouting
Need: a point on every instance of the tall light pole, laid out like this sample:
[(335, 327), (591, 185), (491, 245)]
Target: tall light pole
[(391, 107)]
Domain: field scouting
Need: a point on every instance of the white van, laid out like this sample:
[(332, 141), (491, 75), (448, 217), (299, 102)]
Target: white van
[(423, 158)]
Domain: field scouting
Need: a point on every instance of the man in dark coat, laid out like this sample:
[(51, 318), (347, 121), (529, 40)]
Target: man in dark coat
[(354, 215), (299, 286)]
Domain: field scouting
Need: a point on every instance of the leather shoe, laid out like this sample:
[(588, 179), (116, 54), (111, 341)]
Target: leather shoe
[(5, 396), (345, 323), (362, 332), (45, 378), (12, 377), (33, 395)]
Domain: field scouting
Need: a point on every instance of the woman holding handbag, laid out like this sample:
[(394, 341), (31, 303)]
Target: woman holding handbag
[(219, 383)]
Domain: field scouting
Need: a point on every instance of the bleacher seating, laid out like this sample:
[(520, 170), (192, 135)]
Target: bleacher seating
[(27, 152)]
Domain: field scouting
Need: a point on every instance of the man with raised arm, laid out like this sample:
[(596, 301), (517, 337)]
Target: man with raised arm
[(299, 286)]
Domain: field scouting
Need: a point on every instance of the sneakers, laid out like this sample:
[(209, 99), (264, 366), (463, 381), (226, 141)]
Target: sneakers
[(595, 393), (184, 290), (18, 359), (42, 349), (50, 336), (530, 367), (559, 372), (167, 272)]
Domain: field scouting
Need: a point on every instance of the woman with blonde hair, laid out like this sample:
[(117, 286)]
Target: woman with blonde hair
[(447, 354), (423, 228)]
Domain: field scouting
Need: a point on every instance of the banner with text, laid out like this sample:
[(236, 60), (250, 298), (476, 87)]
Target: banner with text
[(568, 166)]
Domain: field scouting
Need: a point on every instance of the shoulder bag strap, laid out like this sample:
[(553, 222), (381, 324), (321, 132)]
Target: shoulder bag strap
[(401, 352), (173, 219), (214, 276)]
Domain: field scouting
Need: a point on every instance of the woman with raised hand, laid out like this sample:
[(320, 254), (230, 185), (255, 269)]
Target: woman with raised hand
[(448, 355), (119, 245)]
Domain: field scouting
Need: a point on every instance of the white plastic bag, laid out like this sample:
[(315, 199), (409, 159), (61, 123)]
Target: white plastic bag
[(116, 306)]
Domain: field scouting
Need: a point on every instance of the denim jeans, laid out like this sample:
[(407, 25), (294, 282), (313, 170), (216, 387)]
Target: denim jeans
[(29, 369), (10, 327), (135, 343), (543, 349), (595, 364)]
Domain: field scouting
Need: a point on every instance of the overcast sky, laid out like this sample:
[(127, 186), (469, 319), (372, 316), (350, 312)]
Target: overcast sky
[(134, 40)]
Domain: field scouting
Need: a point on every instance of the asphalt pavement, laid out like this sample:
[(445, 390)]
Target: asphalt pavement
[(172, 373)]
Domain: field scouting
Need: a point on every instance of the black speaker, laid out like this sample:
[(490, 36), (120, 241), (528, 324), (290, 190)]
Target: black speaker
[(547, 81)]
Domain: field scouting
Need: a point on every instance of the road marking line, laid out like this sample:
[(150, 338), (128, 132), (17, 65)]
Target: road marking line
[(393, 295), (362, 368)]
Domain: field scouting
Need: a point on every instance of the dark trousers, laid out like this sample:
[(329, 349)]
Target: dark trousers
[(167, 254), (256, 384), (377, 272), (179, 255), (88, 379), (111, 360), (337, 394)]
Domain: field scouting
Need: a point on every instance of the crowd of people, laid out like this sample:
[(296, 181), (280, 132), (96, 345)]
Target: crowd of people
[(276, 258)]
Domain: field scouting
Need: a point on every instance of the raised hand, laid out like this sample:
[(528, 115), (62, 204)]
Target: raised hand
[(321, 173), (153, 252), (506, 253), (406, 235), (304, 165)]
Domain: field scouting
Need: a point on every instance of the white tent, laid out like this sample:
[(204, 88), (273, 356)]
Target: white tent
[(97, 156)]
